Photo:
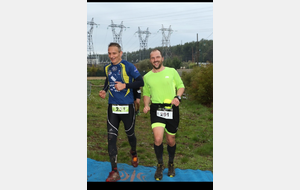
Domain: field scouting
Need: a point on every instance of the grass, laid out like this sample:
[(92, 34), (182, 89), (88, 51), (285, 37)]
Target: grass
[(194, 138)]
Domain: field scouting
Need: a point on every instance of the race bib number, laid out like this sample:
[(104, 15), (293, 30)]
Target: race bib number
[(117, 109), (166, 114)]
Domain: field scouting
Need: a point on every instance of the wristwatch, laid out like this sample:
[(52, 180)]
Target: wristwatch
[(178, 97)]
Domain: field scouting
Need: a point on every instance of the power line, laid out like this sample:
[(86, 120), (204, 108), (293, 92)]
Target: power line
[(172, 14), (209, 35), (125, 45)]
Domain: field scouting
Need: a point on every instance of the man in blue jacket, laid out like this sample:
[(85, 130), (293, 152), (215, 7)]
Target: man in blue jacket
[(119, 84)]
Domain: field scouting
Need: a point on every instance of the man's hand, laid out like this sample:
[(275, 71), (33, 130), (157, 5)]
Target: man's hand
[(119, 85), (146, 109), (175, 102), (102, 94)]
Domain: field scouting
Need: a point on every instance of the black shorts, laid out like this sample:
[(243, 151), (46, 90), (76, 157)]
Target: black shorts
[(113, 120), (170, 125), (137, 93)]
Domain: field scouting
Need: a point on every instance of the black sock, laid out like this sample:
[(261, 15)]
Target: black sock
[(171, 151), (159, 153)]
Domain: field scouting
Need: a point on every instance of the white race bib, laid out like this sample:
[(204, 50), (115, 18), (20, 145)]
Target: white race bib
[(166, 114), (117, 109)]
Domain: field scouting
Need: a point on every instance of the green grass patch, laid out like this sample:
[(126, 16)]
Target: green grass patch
[(194, 138), (205, 149)]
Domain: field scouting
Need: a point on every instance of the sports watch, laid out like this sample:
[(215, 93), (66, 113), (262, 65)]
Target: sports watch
[(178, 97)]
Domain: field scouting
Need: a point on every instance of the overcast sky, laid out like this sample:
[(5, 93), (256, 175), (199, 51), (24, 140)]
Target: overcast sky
[(186, 20)]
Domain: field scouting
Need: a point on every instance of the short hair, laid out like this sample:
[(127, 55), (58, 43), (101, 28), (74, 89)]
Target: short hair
[(156, 50), (116, 45)]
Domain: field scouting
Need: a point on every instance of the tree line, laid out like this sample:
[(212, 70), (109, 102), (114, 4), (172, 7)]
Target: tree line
[(201, 51), (186, 55)]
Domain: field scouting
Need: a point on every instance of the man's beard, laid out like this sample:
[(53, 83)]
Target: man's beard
[(159, 66)]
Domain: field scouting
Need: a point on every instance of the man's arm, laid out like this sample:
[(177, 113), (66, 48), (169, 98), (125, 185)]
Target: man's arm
[(175, 101), (136, 84), (105, 88), (179, 86), (146, 103), (180, 91), (102, 92), (139, 82)]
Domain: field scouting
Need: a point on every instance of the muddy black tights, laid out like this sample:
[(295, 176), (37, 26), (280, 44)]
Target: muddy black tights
[(112, 148)]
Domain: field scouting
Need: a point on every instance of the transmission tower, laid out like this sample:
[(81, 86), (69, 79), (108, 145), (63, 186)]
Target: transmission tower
[(143, 42), (117, 37), (90, 47), (166, 41)]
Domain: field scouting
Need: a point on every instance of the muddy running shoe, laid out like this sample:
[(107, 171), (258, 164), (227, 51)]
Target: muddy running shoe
[(171, 171), (113, 176), (159, 172), (134, 160)]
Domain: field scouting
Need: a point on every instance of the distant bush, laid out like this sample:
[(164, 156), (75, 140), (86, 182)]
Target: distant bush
[(95, 71), (144, 66), (175, 63), (199, 84)]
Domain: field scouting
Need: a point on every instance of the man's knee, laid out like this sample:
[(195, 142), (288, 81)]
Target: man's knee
[(171, 140), (158, 140)]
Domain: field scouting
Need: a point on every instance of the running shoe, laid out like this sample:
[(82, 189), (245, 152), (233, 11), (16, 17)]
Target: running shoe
[(134, 160), (113, 176), (171, 171), (159, 172)]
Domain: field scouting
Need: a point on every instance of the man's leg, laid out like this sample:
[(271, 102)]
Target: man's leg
[(158, 125), (171, 129), (129, 125), (171, 146), (138, 99), (112, 151), (137, 106), (158, 132), (171, 150), (112, 134)]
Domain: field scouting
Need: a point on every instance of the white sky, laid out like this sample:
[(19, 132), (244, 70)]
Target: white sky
[(186, 20)]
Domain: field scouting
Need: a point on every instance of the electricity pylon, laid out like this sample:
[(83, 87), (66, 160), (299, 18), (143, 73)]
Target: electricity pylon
[(90, 47), (143, 42), (117, 37), (166, 41)]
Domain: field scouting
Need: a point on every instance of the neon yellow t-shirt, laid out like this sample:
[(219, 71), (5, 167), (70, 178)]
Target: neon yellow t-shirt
[(162, 85)]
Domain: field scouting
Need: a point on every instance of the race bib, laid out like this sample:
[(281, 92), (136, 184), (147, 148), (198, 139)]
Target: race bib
[(117, 109), (165, 113)]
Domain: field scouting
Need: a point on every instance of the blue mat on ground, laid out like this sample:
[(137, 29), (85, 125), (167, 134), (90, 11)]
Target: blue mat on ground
[(98, 171)]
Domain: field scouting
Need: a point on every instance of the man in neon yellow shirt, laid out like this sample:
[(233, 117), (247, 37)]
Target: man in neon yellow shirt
[(160, 85)]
